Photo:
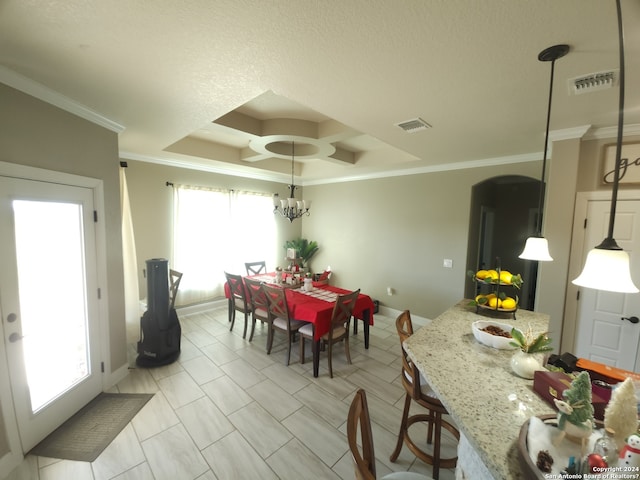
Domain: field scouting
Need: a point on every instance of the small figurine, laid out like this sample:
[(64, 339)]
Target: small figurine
[(630, 453), (575, 412)]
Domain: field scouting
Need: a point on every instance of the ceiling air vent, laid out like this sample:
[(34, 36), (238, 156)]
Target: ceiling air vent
[(413, 125), (592, 82)]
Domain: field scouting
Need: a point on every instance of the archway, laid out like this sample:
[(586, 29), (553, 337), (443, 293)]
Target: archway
[(503, 214)]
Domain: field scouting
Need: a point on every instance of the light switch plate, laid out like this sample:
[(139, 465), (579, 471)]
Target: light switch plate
[(448, 263)]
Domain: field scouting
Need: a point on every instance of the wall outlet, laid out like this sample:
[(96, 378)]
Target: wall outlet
[(389, 291), (447, 263)]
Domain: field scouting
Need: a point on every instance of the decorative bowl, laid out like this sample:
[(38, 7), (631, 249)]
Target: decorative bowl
[(494, 341)]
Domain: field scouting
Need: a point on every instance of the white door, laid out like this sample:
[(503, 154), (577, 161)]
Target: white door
[(49, 302), (602, 334)]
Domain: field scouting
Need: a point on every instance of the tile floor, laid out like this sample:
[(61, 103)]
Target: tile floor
[(227, 410)]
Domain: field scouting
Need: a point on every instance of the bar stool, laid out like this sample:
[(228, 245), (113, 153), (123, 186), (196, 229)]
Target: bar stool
[(419, 391)]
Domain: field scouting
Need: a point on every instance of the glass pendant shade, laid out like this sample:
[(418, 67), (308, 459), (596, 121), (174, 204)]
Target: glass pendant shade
[(607, 270), (607, 267), (536, 248)]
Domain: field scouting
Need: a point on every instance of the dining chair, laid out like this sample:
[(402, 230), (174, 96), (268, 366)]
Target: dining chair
[(338, 331), (258, 302), (418, 390), (237, 300), (174, 284), (279, 318), (364, 462), (255, 268)]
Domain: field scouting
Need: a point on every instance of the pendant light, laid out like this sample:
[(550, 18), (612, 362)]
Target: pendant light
[(537, 247), (290, 208), (607, 265)]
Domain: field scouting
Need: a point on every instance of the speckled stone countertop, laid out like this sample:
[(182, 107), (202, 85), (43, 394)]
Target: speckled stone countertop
[(487, 401)]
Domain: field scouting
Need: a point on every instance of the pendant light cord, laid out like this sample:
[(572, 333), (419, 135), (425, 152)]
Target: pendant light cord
[(611, 243), (544, 154)]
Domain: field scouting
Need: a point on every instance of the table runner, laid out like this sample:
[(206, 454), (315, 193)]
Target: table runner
[(320, 294)]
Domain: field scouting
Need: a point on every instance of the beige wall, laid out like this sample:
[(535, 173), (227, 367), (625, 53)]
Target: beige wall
[(395, 232), (36, 134), (152, 207)]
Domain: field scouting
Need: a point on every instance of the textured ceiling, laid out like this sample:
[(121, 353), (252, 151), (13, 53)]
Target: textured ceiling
[(226, 85)]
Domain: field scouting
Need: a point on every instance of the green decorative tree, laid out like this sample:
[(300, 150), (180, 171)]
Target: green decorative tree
[(578, 399)]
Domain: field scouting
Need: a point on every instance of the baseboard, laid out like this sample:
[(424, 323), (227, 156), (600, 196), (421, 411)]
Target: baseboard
[(392, 312), (202, 307)]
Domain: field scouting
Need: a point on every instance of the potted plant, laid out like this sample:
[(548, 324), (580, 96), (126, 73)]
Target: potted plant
[(304, 249), (527, 359)]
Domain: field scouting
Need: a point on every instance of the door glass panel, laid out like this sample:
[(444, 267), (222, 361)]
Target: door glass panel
[(52, 296)]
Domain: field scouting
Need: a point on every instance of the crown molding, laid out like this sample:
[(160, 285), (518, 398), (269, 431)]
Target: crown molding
[(612, 132), (193, 163), (39, 91), (443, 167), (569, 133)]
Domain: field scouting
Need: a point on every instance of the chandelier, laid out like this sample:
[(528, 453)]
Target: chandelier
[(291, 208)]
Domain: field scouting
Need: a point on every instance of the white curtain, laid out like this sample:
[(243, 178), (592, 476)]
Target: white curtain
[(130, 265), (218, 230)]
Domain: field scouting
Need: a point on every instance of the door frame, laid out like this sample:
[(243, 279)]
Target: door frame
[(576, 260), (97, 186)]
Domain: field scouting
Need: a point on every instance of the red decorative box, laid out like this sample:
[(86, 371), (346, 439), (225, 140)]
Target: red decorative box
[(550, 385)]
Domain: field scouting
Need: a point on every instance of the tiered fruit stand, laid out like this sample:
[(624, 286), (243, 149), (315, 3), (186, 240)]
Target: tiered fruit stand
[(498, 282)]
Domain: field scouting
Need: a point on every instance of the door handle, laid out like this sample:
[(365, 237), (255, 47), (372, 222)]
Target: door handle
[(632, 319), (15, 337)]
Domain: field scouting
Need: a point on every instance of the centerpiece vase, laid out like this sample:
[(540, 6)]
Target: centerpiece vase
[(525, 364)]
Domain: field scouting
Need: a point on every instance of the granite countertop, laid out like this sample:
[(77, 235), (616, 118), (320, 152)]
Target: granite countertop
[(486, 400)]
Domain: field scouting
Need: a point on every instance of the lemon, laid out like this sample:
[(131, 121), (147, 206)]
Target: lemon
[(505, 277), (481, 274), (490, 296), (509, 303), (493, 275), (495, 302), (481, 299)]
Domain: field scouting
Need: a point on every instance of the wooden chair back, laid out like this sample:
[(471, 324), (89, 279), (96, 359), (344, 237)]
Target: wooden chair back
[(255, 268), (342, 311), (410, 373), (174, 284), (256, 295), (358, 419), (236, 288), (277, 302)]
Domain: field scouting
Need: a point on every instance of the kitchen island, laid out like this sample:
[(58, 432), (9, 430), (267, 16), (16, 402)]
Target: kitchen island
[(475, 383)]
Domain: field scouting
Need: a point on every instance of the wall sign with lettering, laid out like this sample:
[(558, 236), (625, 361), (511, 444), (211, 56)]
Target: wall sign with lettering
[(629, 163)]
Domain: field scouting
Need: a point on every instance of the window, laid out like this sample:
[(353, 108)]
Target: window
[(217, 230)]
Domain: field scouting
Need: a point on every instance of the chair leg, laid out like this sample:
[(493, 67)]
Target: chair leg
[(246, 322), (436, 447), (403, 428), (289, 349), (269, 339), (301, 349), (432, 422), (346, 349), (253, 327), (330, 356), (233, 319)]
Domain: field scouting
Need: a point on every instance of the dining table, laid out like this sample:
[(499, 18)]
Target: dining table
[(316, 306)]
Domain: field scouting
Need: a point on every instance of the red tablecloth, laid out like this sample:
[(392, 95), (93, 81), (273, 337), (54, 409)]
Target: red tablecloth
[(310, 309)]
